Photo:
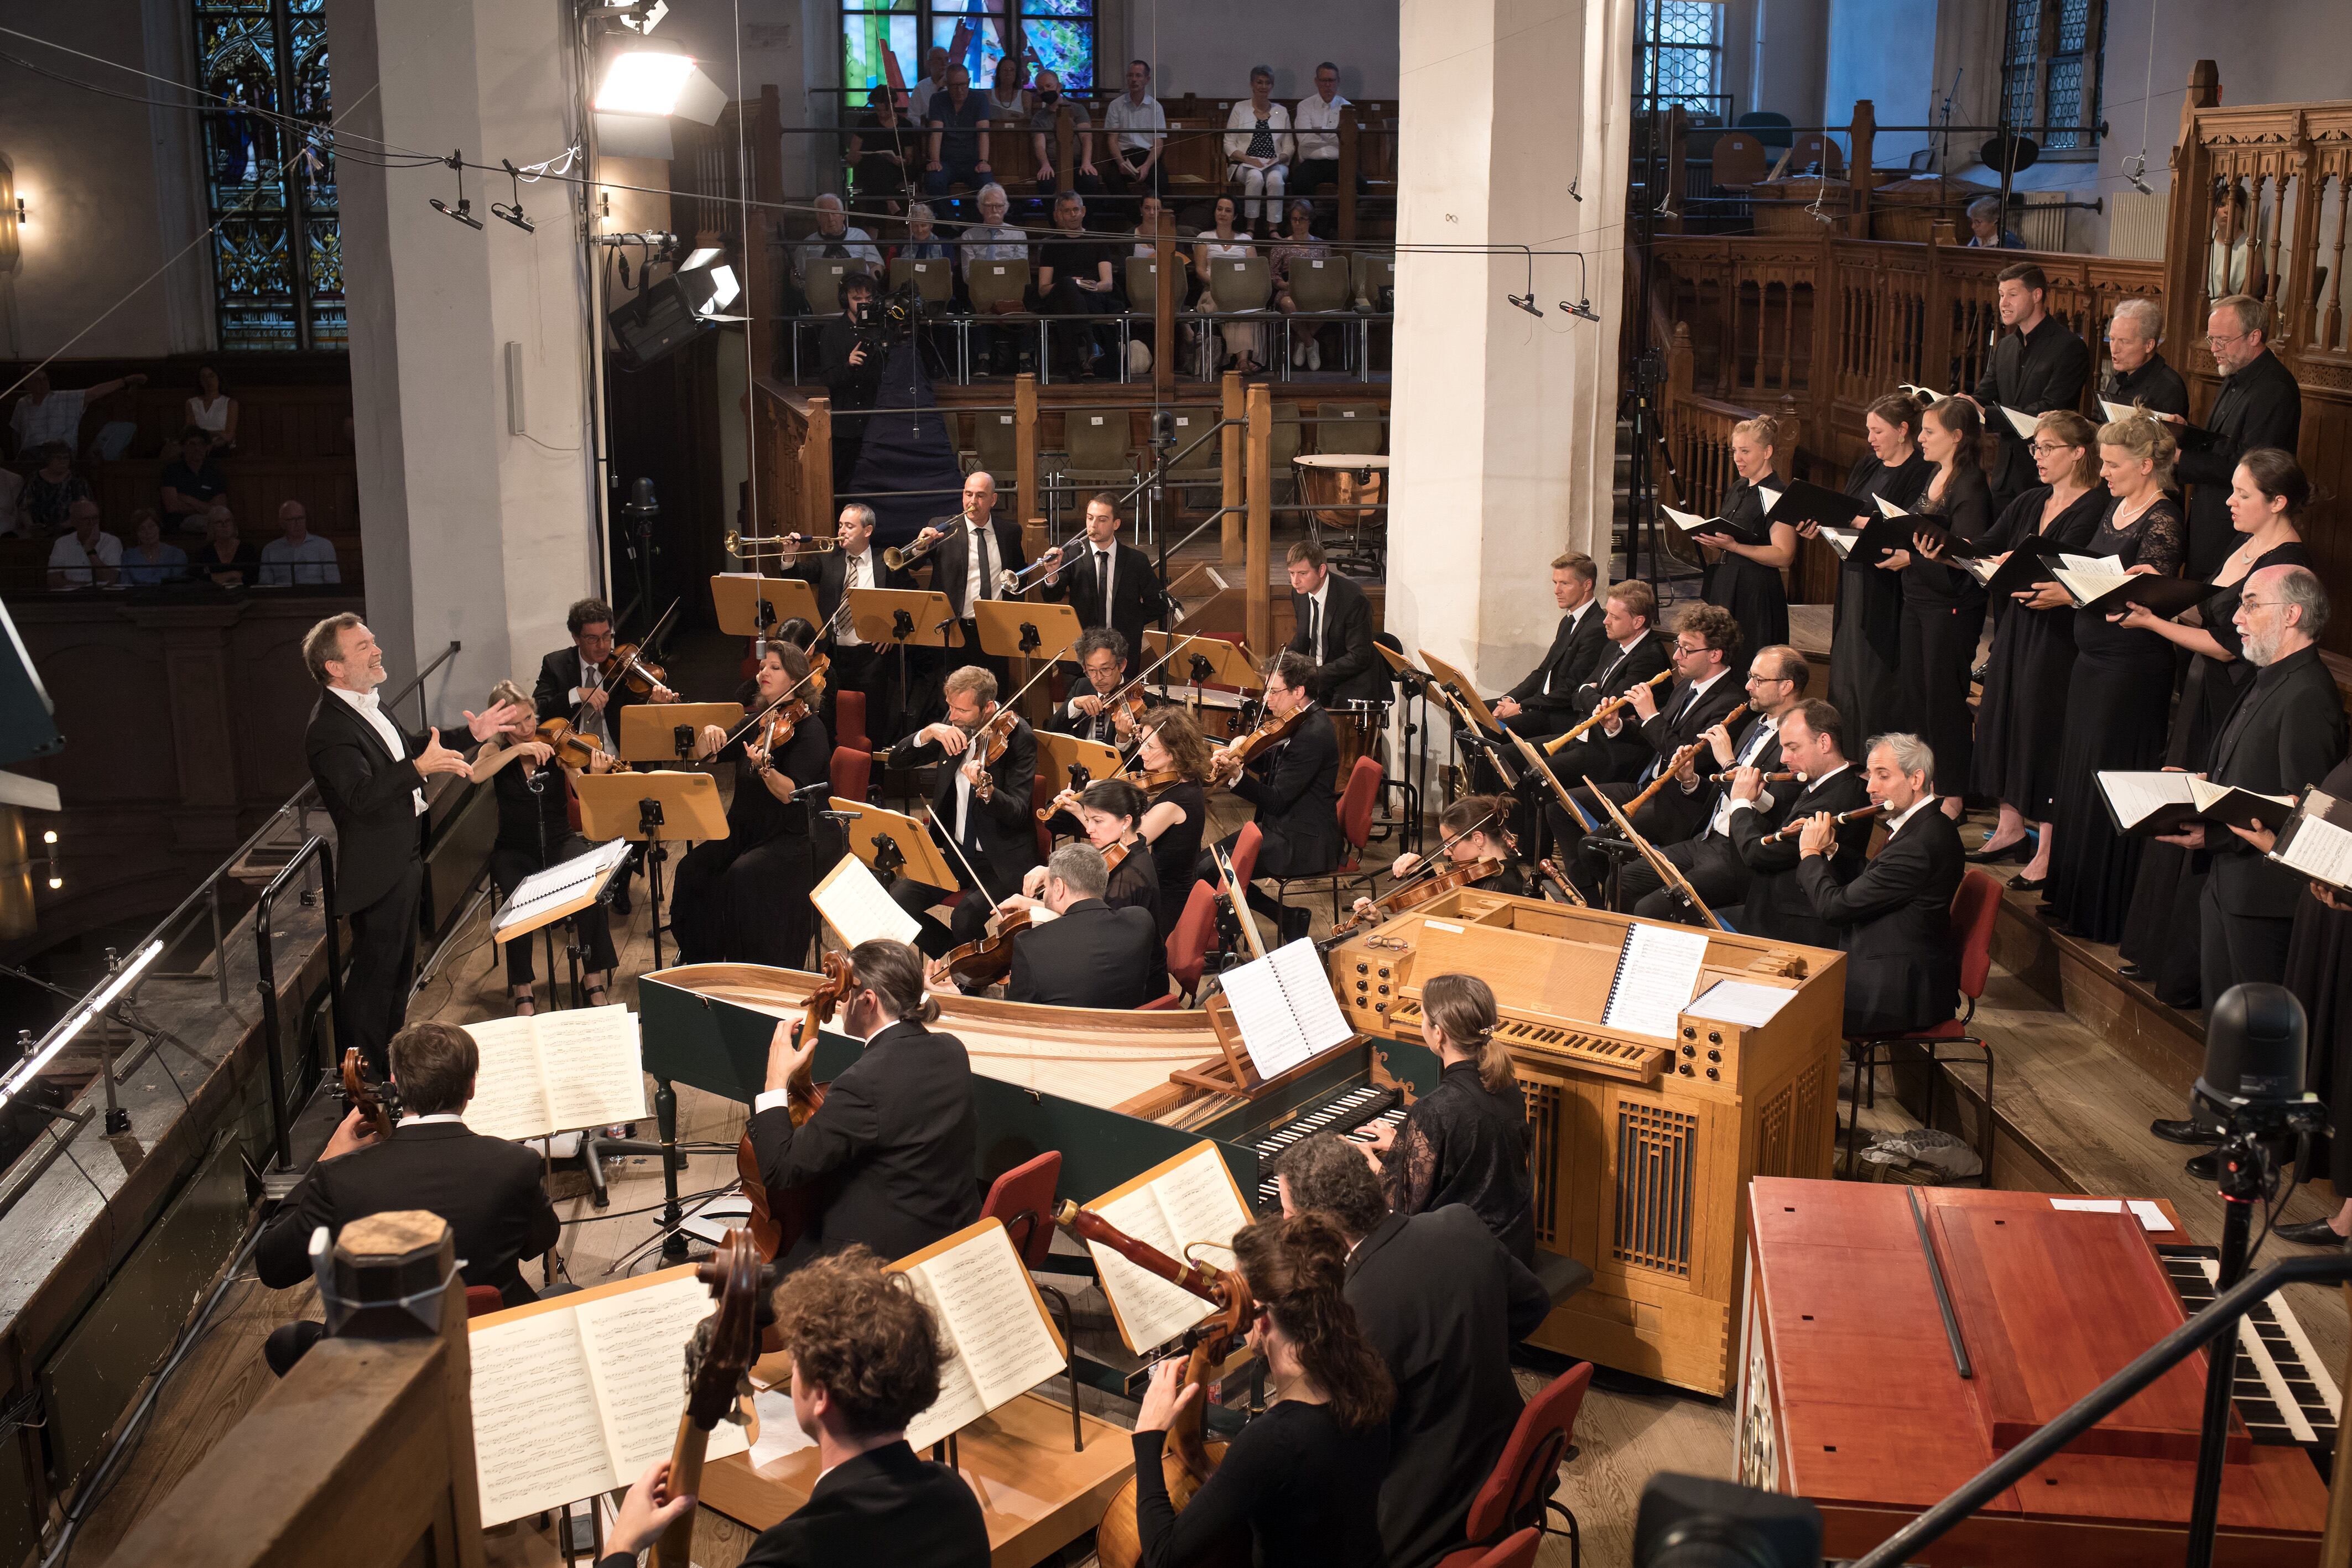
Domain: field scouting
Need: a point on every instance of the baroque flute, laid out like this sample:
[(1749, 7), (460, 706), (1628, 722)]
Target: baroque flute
[(1790, 829), (1551, 746), (1729, 774)]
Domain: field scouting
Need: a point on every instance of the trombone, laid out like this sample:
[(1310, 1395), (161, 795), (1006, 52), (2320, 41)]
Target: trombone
[(787, 545)]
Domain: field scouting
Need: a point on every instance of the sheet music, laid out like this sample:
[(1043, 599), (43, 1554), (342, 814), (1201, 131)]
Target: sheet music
[(1270, 1033), (1930, 398), (2021, 422), (558, 884), (2202, 795), (1309, 986), (1888, 508), (959, 1404), (2088, 586), (1203, 1211), (852, 900), (2086, 562), (510, 1097), (636, 1344), (1742, 1002), (1842, 540), (1772, 496), (1657, 973), (1689, 522), (1150, 1310), (538, 1442), (993, 1316), (2137, 796), (588, 1058), (2318, 847), (2116, 411), (779, 1431)]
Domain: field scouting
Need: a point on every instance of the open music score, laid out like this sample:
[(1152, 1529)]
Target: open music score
[(855, 906), (990, 1313), (1284, 1007), (1657, 971), (556, 1073), (2162, 802), (577, 1395), (1180, 1203), (546, 896), (2316, 840)]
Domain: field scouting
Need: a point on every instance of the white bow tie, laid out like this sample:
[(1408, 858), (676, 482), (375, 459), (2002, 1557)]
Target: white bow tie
[(369, 702)]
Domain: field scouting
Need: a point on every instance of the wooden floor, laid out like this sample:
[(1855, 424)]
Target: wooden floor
[(2071, 1113)]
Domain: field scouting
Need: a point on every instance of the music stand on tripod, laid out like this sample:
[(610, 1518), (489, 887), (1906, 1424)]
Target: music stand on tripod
[(893, 844), (666, 732), (1016, 629), (652, 808), (547, 898), (750, 605), (904, 617)]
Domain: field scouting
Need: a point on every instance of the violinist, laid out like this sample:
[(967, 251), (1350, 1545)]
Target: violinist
[(857, 665), (865, 1361), (535, 832), (1471, 830), (573, 681), (1089, 955), (1304, 1478), (1172, 763), (1109, 813), (980, 810), (1290, 783), (1108, 584), (1090, 714), (745, 897), (895, 1141)]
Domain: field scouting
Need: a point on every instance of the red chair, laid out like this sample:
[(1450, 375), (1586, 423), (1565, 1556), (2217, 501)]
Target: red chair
[(482, 1300), (853, 770), (1976, 905), (1362, 794), (1515, 1552), (1157, 1003), (1023, 1199), (1244, 853), (1518, 1494), (1195, 933), (849, 721)]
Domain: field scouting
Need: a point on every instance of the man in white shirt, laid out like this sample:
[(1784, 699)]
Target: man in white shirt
[(43, 415), (835, 239), (935, 77), (1138, 128), (1316, 122), (858, 665), (993, 239), (974, 548), (86, 558), (299, 557)]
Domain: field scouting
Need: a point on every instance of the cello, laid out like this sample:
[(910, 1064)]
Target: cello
[(778, 1218), (381, 1102), (1189, 1458), (718, 1367)]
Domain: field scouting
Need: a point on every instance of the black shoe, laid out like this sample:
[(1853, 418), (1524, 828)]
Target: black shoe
[(2193, 1134), (1295, 923), (2018, 848), (621, 904), (2310, 1233), (2131, 971), (2204, 1168), (2023, 883)]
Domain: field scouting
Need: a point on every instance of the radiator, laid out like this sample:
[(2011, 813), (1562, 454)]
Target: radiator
[(2041, 219), (2136, 225)]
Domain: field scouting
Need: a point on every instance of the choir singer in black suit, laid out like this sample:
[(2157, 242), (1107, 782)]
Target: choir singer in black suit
[(980, 812), (2137, 373), (857, 665), (488, 1190), (1812, 745), (2041, 365), (894, 1141), (973, 552), (371, 776), (1894, 917), (1333, 631), (1290, 784), (865, 1361), (2258, 405), (1544, 703), (1090, 955), (1106, 583), (1442, 1301)]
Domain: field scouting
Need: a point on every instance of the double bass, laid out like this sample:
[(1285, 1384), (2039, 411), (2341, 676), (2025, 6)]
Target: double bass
[(717, 1370), (1189, 1458), (778, 1218)]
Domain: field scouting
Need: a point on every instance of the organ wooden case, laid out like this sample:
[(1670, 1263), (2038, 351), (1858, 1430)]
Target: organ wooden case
[(1642, 1145)]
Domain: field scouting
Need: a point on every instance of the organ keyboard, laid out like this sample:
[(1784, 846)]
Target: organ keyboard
[(1348, 1113), (2283, 1394)]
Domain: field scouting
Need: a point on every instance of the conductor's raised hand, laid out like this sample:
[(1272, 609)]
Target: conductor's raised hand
[(495, 717), (438, 759), (1168, 1396), (1819, 833), (646, 1512)]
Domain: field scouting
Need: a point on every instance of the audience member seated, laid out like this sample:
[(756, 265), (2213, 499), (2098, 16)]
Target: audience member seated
[(834, 239), (2233, 262), (51, 493), (488, 1190), (922, 242), (934, 77), (865, 1357), (192, 481), (1006, 99), (993, 239), (224, 558), (149, 563), (1042, 140), (880, 153), (1443, 1303), (959, 140), (213, 411), (1317, 122), (1138, 129), (298, 557), (44, 414), (1984, 226), (1298, 243), (1223, 243), (1258, 150), (1075, 278), (88, 557)]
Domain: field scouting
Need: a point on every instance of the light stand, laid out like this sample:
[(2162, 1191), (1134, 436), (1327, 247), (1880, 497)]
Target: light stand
[(638, 516), (649, 822)]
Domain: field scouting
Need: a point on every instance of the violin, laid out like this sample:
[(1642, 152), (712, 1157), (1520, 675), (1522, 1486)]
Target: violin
[(1152, 780), (573, 748), (819, 666), (381, 1102), (1234, 755), (719, 1360), (625, 670), (778, 1220), (987, 959), (778, 731), (1411, 894)]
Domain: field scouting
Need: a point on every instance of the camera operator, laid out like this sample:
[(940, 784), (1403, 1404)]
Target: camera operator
[(850, 352)]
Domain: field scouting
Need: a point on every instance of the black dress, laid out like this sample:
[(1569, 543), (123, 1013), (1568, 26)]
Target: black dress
[(1943, 616), (1463, 1143), (1135, 884), (2161, 935), (1305, 1488), (745, 898), (2022, 716), (535, 832), (1867, 644), (2116, 700), (1175, 851), (2319, 973), (1751, 590)]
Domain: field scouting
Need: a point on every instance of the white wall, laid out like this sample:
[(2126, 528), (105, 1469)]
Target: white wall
[(1773, 56), (1208, 47), (1881, 51)]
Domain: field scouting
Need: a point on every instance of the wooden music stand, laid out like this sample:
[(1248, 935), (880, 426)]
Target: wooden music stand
[(1235, 1074), (1015, 629), (738, 597), (1462, 689), (656, 808), (1230, 664), (908, 842), (1666, 868), (649, 730), (1057, 754), (928, 623)]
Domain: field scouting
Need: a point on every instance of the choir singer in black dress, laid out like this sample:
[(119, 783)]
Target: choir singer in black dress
[(1943, 606), (2119, 693), (1302, 1480), (2021, 717), (1894, 917), (1867, 639), (1745, 578)]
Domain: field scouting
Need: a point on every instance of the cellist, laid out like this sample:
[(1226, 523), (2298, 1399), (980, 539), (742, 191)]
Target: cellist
[(894, 1145), (1471, 830)]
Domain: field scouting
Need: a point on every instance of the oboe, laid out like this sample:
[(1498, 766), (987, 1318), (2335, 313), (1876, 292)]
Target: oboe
[(1792, 828), (1729, 775)]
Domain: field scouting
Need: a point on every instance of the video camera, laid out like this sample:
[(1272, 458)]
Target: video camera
[(883, 322)]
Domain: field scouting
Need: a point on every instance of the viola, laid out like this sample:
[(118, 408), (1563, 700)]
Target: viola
[(1153, 780), (987, 959), (719, 1360), (778, 732), (381, 1102), (1234, 755), (778, 1218), (625, 669), (1413, 893)]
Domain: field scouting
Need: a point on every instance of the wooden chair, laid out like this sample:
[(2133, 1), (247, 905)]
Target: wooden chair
[(1097, 453), (1517, 1494), (1740, 159), (1368, 276), (1976, 906), (991, 282)]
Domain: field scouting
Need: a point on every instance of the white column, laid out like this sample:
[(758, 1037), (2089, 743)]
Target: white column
[(1502, 424), (470, 533)]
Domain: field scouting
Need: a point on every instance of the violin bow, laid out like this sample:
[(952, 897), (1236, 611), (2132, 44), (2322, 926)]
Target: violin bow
[(1434, 865)]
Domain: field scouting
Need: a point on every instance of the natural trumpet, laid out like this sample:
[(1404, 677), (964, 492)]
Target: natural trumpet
[(898, 559), (778, 544)]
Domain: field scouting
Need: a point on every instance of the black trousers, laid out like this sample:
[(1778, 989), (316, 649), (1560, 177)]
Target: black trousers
[(967, 923), (740, 903), (2238, 949), (1939, 647), (1277, 857), (384, 958), (1076, 346), (1713, 868), (509, 867)]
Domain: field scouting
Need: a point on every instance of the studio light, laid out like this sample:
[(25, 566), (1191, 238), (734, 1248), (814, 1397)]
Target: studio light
[(25, 1072), (703, 257), (653, 80)]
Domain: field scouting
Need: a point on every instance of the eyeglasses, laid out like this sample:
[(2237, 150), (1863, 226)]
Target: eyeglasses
[(2049, 448), (2227, 337)]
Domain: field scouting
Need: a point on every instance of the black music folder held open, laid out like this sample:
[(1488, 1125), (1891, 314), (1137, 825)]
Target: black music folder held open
[(1696, 526), (2165, 803), (2096, 582)]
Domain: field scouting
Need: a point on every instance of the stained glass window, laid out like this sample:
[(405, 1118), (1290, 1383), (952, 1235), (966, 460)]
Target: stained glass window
[(1057, 35), (1681, 50), (2051, 68), (270, 185)]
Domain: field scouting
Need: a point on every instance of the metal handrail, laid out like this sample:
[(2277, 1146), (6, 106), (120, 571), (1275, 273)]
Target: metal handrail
[(264, 960)]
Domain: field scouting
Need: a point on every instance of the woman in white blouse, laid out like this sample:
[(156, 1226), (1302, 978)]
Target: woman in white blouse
[(1258, 150), (1225, 243), (213, 411)]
